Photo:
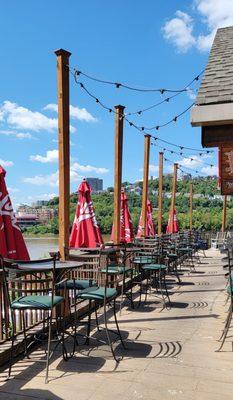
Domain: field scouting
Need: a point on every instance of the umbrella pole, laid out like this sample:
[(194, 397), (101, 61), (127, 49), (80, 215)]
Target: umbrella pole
[(145, 182), (173, 199), (119, 111), (64, 150), (160, 194), (191, 207), (224, 213)]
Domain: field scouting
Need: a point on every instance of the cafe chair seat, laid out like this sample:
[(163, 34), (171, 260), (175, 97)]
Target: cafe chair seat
[(78, 284), (154, 267), (116, 269), (98, 294), (36, 302)]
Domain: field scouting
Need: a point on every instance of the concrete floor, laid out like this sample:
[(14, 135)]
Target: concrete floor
[(170, 353)]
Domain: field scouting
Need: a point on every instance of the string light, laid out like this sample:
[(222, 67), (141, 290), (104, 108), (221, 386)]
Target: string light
[(183, 155), (182, 169), (118, 85), (141, 129)]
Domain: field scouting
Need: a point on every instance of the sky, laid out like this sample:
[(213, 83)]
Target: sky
[(149, 44)]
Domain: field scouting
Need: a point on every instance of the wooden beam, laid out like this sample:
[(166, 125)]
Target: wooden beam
[(160, 194), (174, 184), (224, 213), (64, 150), (119, 120), (145, 182), (191, 207)]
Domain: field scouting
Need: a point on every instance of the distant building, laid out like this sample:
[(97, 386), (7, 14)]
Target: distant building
[(96, 184), (25, 220)]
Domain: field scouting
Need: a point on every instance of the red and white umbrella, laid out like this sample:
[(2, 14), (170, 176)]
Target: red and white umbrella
[(127, 234), (12, 243), (150, 230), (172, 226), (85, 230)]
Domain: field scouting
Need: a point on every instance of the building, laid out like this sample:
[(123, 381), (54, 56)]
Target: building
[(26, 220), (96, 184)]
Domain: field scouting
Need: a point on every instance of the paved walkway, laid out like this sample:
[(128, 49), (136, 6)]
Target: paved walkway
[(171, 353)]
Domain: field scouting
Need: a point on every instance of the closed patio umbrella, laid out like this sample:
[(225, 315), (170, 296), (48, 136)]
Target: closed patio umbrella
[(85, 230), (12, 243), (172, 226), (150, 230), (127, 234)]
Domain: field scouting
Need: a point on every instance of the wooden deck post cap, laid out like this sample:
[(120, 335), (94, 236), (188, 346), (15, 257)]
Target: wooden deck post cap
[(62, 52), (118, 107)]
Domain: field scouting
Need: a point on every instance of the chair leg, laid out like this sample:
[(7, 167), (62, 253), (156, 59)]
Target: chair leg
[(147, 285), (107, 333), (165, 285), (25, 335), (49, 346), (117, 325), (226, 330), (12, 338), (96, 317), (88, 324)]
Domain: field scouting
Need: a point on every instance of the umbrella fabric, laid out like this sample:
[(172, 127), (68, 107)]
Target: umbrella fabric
[(127, 234), (150, 230), (172, 226), (85, 230), (12, 243)]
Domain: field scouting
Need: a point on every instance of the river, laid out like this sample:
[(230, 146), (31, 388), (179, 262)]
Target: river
[(40, 247)]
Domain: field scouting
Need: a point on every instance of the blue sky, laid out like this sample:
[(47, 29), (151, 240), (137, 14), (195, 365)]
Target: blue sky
[(149, 44)]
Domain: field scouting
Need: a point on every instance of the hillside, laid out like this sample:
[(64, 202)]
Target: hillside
[(207, 205)]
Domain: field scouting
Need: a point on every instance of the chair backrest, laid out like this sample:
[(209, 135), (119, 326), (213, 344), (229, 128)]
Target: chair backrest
[(22, 278)]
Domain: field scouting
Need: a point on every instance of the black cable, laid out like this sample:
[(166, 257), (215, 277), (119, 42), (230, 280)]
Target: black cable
[(119, 85)]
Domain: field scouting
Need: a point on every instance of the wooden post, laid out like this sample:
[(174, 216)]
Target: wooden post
[(173, 199), (160, 194), (64, 150), (224, 213), (145, 182), (191, 207), (119, 120)]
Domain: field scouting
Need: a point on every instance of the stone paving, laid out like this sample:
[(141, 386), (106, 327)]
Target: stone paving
[(171, 353)]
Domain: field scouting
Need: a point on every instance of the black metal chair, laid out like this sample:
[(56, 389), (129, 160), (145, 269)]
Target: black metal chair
[(30, 286), (97, 296), (230, 296)]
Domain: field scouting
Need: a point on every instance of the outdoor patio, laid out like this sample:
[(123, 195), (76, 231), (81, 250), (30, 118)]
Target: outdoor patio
[(170, 353)]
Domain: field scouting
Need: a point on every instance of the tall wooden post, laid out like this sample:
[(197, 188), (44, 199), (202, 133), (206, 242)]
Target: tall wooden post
[(64, 150), (160, 194), (119, 121), (191, 207), (145, 182), (224, 213), (174, 184)]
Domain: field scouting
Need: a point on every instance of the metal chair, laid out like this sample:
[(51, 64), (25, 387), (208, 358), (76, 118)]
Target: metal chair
[(102, 296), (30, 286), (230, 296)]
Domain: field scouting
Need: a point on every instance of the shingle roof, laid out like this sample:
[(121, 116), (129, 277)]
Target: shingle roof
[(217, 82)]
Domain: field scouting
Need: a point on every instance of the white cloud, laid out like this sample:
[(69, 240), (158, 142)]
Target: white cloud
[(51, 156), (13, 190), (44, 196), (89, 168), (80, 114), (5, 163), (191, 94), (153, 169), (210, 170), (213, 14), (179, 31), (50, 179), (191, 162), (18, 135), (20, 117)]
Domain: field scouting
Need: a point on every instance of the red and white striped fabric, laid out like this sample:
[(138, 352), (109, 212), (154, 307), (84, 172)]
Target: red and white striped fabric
[(85, 230), (12, 243)]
